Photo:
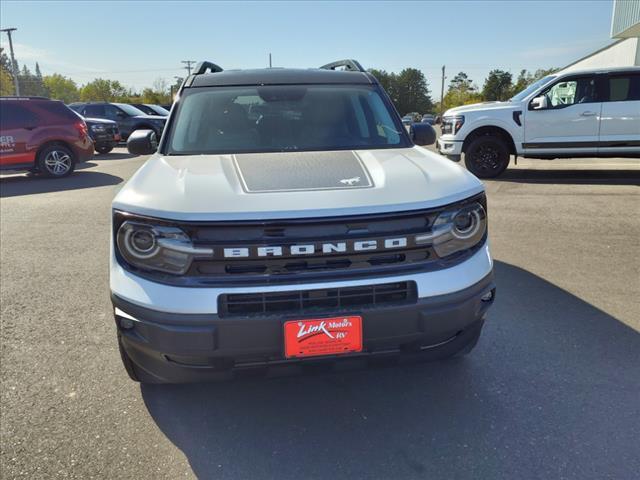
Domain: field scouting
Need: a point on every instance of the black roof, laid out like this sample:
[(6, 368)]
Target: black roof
[(280, 76)]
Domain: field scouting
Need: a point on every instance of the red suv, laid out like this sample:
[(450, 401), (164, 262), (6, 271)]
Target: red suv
[(41, 135)]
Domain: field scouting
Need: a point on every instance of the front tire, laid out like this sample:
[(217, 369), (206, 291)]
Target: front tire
[(56, 161), (487, 156)]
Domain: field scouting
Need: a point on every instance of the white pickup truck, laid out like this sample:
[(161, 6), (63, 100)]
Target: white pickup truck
[(592, 113)]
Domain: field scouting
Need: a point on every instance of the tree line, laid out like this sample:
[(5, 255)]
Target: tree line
[(499, 85), (409, 89), (62, 88)]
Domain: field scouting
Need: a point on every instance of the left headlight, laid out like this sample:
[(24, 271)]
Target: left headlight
[(97, 128), (457, 229), (160, 248)]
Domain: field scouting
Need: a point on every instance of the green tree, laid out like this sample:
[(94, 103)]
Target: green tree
[(61, 88), (497, 86), (413, 92), (102, 90), (30, 84), (525, 78), (6, 78), (462, 91)]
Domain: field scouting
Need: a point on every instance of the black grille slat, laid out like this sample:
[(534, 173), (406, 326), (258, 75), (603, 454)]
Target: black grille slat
[(305, 302)]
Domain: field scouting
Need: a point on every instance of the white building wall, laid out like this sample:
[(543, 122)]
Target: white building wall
[(624, 53)]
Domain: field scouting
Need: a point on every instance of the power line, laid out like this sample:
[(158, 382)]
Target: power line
[(188, 64)]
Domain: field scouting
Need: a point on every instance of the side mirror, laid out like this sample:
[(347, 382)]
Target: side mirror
[(422, 134), (120, 114), (142, 142), (539, 103)]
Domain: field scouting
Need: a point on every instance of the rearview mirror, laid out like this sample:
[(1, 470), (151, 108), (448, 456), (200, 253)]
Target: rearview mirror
[(142, 142), (422, 134), (538, 103)]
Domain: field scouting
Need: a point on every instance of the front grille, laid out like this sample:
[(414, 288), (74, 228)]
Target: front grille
[(316, 264), (311, 302)]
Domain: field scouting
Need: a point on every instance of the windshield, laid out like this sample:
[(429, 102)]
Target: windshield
[(283, 118), (157, 110), (130, 109), (534, 86)]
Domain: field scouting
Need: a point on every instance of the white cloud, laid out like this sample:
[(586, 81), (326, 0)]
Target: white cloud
[(23, 51)]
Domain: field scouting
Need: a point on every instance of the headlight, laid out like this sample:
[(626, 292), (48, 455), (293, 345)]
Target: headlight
[(452, 124), (98, 128), (153, 247), (456, 230)]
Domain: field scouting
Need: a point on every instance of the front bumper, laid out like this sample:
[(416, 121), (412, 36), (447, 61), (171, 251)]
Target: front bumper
[(175, 347), (449, 147)]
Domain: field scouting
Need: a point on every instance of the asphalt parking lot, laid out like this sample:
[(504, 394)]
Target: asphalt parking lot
[(552, 390)]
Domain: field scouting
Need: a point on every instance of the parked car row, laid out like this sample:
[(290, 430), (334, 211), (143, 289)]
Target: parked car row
[(428, 118), (128, 117), (47, 137)]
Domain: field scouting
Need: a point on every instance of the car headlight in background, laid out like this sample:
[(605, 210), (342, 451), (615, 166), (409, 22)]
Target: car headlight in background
[(98, 128), (456, 230), (160, 248)]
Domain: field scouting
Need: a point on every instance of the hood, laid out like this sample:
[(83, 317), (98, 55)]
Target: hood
[(481, 107), (103, 121), (239, 187)]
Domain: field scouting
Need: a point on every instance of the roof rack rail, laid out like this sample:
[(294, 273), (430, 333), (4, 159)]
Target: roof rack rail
[(202, 67), (348, 64)]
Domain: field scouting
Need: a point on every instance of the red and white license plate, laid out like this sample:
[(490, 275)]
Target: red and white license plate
[(322, 336)]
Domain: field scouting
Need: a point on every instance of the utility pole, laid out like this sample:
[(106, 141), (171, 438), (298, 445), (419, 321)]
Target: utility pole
[(442, 94), (14, 70), (270, 60), (188, 65)]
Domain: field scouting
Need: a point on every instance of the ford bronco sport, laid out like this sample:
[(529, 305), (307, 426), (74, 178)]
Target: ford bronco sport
[(288, 218)]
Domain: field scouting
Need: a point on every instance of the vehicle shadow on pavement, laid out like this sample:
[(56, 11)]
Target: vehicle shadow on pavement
[(113, 156), (574, 176), (551, 391), (16, 185)]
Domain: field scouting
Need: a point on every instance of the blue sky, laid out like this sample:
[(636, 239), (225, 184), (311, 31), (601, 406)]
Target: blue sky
[(138, 42)]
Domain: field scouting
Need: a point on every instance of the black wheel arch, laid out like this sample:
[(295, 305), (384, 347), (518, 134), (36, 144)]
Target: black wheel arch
[(494, 132)]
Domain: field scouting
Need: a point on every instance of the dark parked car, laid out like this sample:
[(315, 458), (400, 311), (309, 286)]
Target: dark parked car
[(407, 120), (42, 136), (428, 118), (104, 133), (128, 117), (150, 109)]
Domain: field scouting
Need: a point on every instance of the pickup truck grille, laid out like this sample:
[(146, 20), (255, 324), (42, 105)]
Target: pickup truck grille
[(311, 302)]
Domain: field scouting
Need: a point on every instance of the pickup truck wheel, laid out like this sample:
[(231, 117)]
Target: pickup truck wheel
[(56, 161), (487, 156)]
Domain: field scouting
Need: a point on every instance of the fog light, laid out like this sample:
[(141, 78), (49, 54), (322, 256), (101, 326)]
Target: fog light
[(487, 297), (126, 323)]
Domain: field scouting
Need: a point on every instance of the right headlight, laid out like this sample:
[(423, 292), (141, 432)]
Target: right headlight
[(457, 229), (154, 247)]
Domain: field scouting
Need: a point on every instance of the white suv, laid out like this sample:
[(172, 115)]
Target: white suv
[(287, 217), (576, 114)]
